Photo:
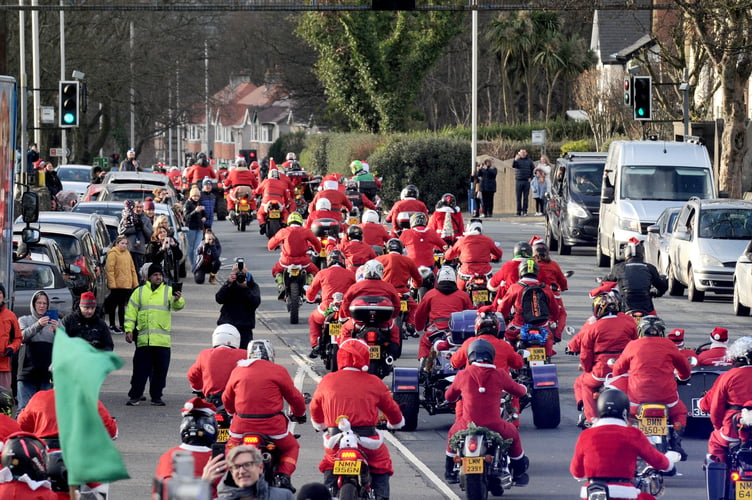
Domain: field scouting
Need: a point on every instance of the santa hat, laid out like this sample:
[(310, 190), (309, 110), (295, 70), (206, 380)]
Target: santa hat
[(536, 240), (677, 336), (719, 334), (198, 405), (606, 287), (353, 353)]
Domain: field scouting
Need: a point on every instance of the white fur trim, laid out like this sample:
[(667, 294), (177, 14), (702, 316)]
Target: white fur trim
[(246, 362), (191, 447), (485, 365), (319, 426), (609, 421), (398, 425), (481, 389), (616, 491)]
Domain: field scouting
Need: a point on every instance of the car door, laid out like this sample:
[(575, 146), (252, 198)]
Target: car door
[(681, 239), (556, 199), (744, 276), (92, 255)]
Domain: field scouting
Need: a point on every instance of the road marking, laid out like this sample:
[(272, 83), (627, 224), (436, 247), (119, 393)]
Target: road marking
[(305, 369)]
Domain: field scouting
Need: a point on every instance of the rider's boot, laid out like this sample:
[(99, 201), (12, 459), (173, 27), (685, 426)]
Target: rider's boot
[(314, 352), (450, 475), (674, 443), (280, 280), (283, 481), (262, 227), (518, 466)]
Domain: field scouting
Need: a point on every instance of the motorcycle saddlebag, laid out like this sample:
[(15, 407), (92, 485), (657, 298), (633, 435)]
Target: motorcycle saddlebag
[(371, 309), (462, 324)]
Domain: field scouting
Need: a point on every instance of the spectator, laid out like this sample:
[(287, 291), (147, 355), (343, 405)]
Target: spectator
[(539, 186), (148, 322), (32, 156), (545, 166), (207, 259), (97, 175), (524, 167), (486, 177), (121, 280), (164, 250), (240, 295), (209, 201), (89, 326), (149, 210), (136, 226), (246, 478), (35, 354), (130, 164), (193, 212), (10, 339)]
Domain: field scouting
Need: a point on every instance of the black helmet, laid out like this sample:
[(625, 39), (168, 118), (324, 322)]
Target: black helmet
[(355, 233), (613, 403), (448, 200), (541, 251), (651, 326), (528, 267), (198, 429), (24, 453), (488, 323), (335, 257), (636, 250), (6, 402), (201, 156), (481, 351), (394, 245), (418, 219), (57, 471), (409, 191), (522, 249)]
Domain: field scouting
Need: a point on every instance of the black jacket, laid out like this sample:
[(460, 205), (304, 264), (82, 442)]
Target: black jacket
[(192, 216), (93, 330), (523, 169), (635, 279), (239, 304), (487, 178)]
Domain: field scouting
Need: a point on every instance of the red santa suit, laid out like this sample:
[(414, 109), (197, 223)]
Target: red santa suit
[(336, 197), (211, 370), (356, 252), (437, 223), (420, 243), (328, 281), (504, 277), (374, 234), (436, 309), (336, 182), (255, 396), (512, 301), (475, 253), (549, 273), (481, 387), (402, 207), (21, 490), (610, 449), (272, 189), (239, 177), (294, 241), (196, 173), (505, 359), (176, 178), (354, 393), (398, 270), (650, 362), (600, 340), (8, 426), (39, 418), (729, 393)]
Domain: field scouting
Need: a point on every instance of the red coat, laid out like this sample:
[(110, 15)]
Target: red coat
[(419, 243), (374, 234), (8, 324), (504, 277), (440, 306), (436, 221), (550, 272), (408, 205), (506, 357), (356, 252), (260, 387), (201, 455), (241, 177), (196, 173), (211, 370), (604, 339), (650, 362), (330, 281), (335, 196), (375, 288), (398, 269), (733, 387), (715, 356), (295, 241), (475, 252), (274, 189), (16, 490), (513, 301), (8, 426), (38, 417), (176, 177)]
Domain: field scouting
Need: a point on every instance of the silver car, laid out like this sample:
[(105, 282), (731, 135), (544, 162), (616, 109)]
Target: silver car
[(658, 238), (743, 282), (30, 276), (74, 178)]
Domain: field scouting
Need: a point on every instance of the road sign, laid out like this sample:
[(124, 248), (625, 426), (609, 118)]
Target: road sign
[(59, 152), (102, 162), (539, 138), (48, 114)]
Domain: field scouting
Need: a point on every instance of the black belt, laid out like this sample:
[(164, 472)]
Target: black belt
[(607, 352), (734, 407), (363, 430), (609, 480), (259, 415)]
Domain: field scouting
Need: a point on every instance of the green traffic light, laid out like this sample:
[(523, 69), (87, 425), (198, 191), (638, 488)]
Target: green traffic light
[(641, 111), (69, 118)]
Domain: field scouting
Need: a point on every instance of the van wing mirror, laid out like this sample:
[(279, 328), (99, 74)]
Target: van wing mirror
[(654, 228), (30, 235), (30, 207), (682, 235), (607, 195)]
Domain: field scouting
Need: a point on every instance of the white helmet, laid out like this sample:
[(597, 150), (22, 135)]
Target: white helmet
[(240, 162), (474, 227), (226, 334), (291, 157), (372, 270), (261, 349), (371, 216), (446, 273), (323, 204)]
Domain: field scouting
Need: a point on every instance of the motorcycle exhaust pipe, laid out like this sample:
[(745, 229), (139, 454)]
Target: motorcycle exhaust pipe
[(389, 360)]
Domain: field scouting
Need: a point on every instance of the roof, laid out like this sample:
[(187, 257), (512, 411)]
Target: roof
[(618, 29)]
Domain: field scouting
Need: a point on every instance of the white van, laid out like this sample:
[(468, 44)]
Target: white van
[(640, 180)]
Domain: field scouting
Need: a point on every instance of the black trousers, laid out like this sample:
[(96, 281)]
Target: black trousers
[(488, 201), (149, 363), (117, 301), (522, 192)]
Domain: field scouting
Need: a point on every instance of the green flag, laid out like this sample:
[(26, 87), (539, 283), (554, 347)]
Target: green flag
[(79, 370)]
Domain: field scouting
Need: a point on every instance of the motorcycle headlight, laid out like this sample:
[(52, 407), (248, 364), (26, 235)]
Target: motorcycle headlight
[(630, 225), (577, 210), (710, 261)]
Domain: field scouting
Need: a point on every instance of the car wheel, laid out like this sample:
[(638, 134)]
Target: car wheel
[(600, 258), (739, 308), (693, 294), (551, 242), (675, 288)]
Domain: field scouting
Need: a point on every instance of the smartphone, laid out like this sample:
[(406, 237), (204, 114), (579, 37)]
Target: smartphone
[(52, 314), (217, 449), (177, 287)]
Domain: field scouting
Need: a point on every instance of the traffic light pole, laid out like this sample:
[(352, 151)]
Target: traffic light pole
[(63, 132)]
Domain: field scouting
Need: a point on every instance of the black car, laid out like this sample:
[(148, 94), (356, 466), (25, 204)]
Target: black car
[(574, 200)]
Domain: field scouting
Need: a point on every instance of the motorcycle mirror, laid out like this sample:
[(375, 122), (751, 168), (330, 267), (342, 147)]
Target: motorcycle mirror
[(569, 330), (692, 361), (599, 279), (569, 274), (673, 456)]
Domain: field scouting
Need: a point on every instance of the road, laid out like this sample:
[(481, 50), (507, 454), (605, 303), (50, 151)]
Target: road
[(146, 431)]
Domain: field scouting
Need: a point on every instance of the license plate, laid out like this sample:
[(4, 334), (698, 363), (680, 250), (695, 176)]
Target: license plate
[(696, 411), (480, 295), (294, 272), (472, 465), (374, 352), (334, 329), (403, 305), (223, 435), (274, 214), (346, 467), (653, 426), (352, 221), (537, 354), (322, 253), (743, 490)]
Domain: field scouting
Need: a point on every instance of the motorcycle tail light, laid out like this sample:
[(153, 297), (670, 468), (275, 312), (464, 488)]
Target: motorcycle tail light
[(244, 202), (746, 473), (488, 459), (271, 446), (371, 337), (472, 444), (735, 476), (480, 281), (254, 440), (350, 455), (219, 418), (654, 412)]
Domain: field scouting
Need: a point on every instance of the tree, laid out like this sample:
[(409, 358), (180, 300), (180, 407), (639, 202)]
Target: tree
[(372, 64)]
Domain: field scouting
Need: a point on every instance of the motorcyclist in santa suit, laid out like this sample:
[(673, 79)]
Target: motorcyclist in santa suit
[(603, 337), (509, 272), (607, 452), (294, 241), (374, 233), (356, 251), (211, 370), (489, 327), (408, 202), (273, 189), (337, 199), (399, 270), (635, 278), (447, 219), (650, 362), (240, 176), (420, 242), (353, 393), (475, 252)]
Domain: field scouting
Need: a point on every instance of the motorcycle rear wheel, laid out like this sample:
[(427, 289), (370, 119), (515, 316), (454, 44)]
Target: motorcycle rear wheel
[(546, 409), (348, 492), (272, 227), (294, 303), (476, 487)]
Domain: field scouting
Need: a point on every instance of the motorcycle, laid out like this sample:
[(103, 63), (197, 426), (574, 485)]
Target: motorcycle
[(732, 480), (350, 477), (330, 333), (646, 479), (539, 375), (401, 319), (429, 281), (274, 220), (243, 213), (327, 231), (294, 279), (269, 452), (700, 381), (482, 461), (302, 194), (352, 218), (477, 288), (652, 420), (372, 323)]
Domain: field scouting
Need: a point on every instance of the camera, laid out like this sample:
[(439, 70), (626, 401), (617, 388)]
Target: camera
[(240, 277), (240, 262)]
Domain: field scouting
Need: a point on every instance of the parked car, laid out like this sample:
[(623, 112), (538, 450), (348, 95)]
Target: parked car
[(573, 203), (112, 224), (122, 192), (709, 237), (92, 222), (145, 178), (46, 250), (74, 178), (743, 282), (112, 208), (31, 276), (658, 238)]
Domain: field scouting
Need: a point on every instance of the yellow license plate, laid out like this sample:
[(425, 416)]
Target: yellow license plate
[(472, 465), (374, 352), (654, 426), (352, 221), (322, 253), (274, 214), (403, 305), (294, 272), (346, 467), (334, 329), (480, 295), (743, 490), (223, 435), (537, 354)]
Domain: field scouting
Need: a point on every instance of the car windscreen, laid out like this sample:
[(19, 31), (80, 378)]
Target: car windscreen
[(69, 245), (726, 224), (125, 195), (85, 208), (74, 174), (31, 276), (665, 183), (586, 178)]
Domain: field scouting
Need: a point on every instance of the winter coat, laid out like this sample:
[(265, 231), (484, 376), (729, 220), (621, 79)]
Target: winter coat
[(150, 313), (487, 179), (212, 252), (138, 233), (10, 335), (192, 216), (239, 304), (35, 354), (93, 330), (209, 201), (121, 272), (538, 188), (259, 491)]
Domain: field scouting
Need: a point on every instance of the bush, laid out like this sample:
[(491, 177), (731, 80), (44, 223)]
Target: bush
[(285, 144), (581, 145), (314, 157)]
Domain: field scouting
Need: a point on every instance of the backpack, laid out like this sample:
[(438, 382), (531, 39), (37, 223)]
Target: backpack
[(535, 310)]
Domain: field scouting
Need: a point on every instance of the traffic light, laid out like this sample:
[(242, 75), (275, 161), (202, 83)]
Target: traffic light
[(628, 90), (643, 97), (68, 106), (252, 156)]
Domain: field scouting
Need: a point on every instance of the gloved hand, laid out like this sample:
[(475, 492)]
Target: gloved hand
[(299, 420), (670, 472), (8, 352)]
